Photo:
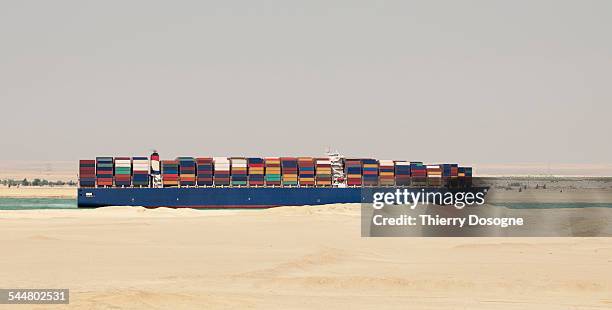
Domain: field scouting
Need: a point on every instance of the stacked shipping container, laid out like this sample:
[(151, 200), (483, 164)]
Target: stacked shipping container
[(87, 173), (323, 172), (468, 176), (222, 171), (454, 178), (465, 176), (273, 171), (187, 169), (353, 172), (449, 175), (140, 171), (386, 173), (418, 173), (239, 171), (170, 173), (402, 173), (123, 171), (306, 169), (289, 169), (256, 171), (370, 172), (104, 171), (461, 176), (204, 171), (434, 175)]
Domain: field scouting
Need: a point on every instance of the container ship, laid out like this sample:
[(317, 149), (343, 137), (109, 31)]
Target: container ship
[(241, 182)]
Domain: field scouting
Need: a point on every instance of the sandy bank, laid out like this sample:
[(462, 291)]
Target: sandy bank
[(37, 192), (289, 258)]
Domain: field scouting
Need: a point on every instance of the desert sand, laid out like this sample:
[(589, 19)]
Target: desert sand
[(289, 258)]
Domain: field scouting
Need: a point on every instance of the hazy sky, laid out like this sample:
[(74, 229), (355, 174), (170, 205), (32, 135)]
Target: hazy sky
[(468, 81)]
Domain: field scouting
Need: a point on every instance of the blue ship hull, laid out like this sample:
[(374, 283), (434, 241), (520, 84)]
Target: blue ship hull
[(237, 197)]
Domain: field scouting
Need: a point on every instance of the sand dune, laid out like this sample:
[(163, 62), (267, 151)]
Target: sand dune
[(289, 258)]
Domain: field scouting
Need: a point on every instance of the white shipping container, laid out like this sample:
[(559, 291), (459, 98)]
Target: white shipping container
[(239, 162), (221, 164)]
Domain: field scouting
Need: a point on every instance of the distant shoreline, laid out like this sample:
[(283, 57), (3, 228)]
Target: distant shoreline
[(67, 192), (506, 189)]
